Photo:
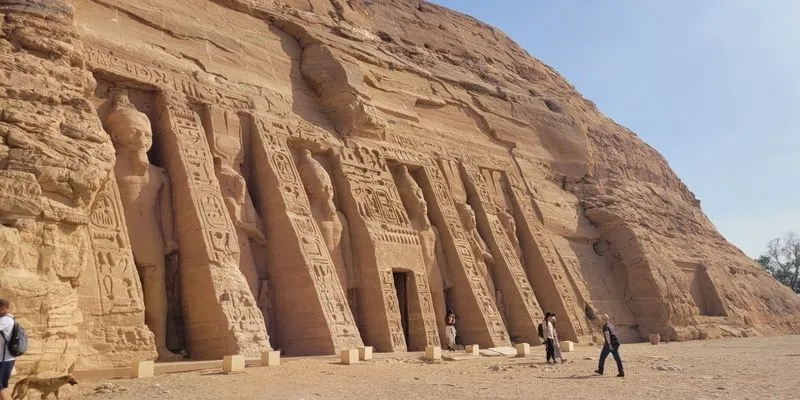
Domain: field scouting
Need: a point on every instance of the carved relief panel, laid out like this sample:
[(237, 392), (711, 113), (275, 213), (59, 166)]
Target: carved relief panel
[(488, 326), (552, 277), (117, 278), (202, 217), (393, 243), (291, 208)]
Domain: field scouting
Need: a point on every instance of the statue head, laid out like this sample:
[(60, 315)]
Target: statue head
[(467, 216), (128, 127)]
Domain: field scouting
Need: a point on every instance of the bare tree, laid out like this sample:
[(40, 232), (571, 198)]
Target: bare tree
[(782, 260)]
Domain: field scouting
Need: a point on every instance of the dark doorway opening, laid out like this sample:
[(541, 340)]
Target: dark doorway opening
[(401, 289)]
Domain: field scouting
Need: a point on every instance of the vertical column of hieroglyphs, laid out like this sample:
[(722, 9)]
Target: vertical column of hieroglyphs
[(310, 302), (220, 313), (545, 271), (111, 291), (478, 318), (518, 299), (386, 242)]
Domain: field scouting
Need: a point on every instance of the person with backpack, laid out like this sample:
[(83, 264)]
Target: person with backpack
[(610, 346), (11, 338), (548, 334)]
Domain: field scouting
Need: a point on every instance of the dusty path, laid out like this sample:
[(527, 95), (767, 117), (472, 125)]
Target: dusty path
[(758, 368)]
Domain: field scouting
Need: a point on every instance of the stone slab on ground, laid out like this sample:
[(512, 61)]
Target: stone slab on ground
[(499, 352)]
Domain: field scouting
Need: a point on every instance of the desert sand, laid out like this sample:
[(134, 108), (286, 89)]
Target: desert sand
[(752, 368)]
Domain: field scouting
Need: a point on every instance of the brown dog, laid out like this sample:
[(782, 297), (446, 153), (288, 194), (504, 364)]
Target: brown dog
[(43, 385)]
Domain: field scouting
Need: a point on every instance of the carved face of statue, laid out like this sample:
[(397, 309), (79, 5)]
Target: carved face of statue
[(468, 215), (130, 129)]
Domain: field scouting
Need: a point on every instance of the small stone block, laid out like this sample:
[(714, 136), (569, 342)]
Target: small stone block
[(523, 349), (270, 358), (567, 346), (349, 356), (233, 363), (433, 353), (473, 349), (143, 369), (365, 353)]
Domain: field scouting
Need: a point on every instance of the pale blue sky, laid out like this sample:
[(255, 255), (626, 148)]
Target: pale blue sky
[(714, 85)]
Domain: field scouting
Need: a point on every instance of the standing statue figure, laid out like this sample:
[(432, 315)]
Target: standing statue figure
[(479, 247), (147, 201), (332, 223), (510, 225), (226, 144), (245, 219), (430, 242)]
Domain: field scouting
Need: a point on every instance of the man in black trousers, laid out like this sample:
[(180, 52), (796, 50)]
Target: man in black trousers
[(610, 345)]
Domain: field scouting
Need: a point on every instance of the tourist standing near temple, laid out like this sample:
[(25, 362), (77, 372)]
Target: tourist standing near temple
[(556, 344), (450, 327), (610, 346), (548, 332)]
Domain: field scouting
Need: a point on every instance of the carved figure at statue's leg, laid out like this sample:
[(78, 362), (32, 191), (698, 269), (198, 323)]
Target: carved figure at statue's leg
[(265, 301), (332, 223), (479, 247), (510, 225), (430, 242), (245, 219), (147, 202)]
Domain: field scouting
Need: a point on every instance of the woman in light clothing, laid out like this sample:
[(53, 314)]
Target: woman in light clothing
[(450, 329)]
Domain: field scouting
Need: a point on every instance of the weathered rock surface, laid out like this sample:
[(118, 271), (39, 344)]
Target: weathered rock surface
[(317, 175)]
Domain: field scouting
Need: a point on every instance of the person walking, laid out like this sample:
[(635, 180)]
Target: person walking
[(610, 346)]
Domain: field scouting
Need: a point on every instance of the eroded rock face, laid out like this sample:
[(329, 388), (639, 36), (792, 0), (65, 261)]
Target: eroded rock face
[(324, 174)]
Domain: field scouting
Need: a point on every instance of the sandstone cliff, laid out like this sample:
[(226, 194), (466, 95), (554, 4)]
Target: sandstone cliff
[(310, 175)]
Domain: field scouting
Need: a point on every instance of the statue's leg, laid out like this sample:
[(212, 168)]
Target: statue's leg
[(155, 306)]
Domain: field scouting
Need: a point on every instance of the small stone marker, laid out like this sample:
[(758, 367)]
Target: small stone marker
[(433, 353), (473, 349), (567, 346), (655, 338), (143, 369), (349, 356), (365, 353), (270, 358), (233, 363), (523, 349)]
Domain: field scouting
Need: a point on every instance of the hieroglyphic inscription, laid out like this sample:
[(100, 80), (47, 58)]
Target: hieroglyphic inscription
[(100, 58), (205, 224), (453, 227), (393, 311), (489, 194), (380, 207), (203, 187), (557, 270), (117, 278), (336, 311), (426, 304)]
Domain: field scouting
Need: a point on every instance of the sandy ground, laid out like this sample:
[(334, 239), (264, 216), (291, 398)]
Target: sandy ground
[(756, 368)]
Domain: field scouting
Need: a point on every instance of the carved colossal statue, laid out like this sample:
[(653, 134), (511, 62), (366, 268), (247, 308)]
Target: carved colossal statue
[(332, 223), (479, 247), (243, 214), (430, 242), (510, 225), (147, 201)]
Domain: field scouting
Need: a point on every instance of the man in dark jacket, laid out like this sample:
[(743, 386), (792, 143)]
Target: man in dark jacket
[(610, 345)]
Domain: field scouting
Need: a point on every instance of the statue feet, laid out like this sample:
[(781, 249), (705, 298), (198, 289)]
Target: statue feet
[(164, 355)]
